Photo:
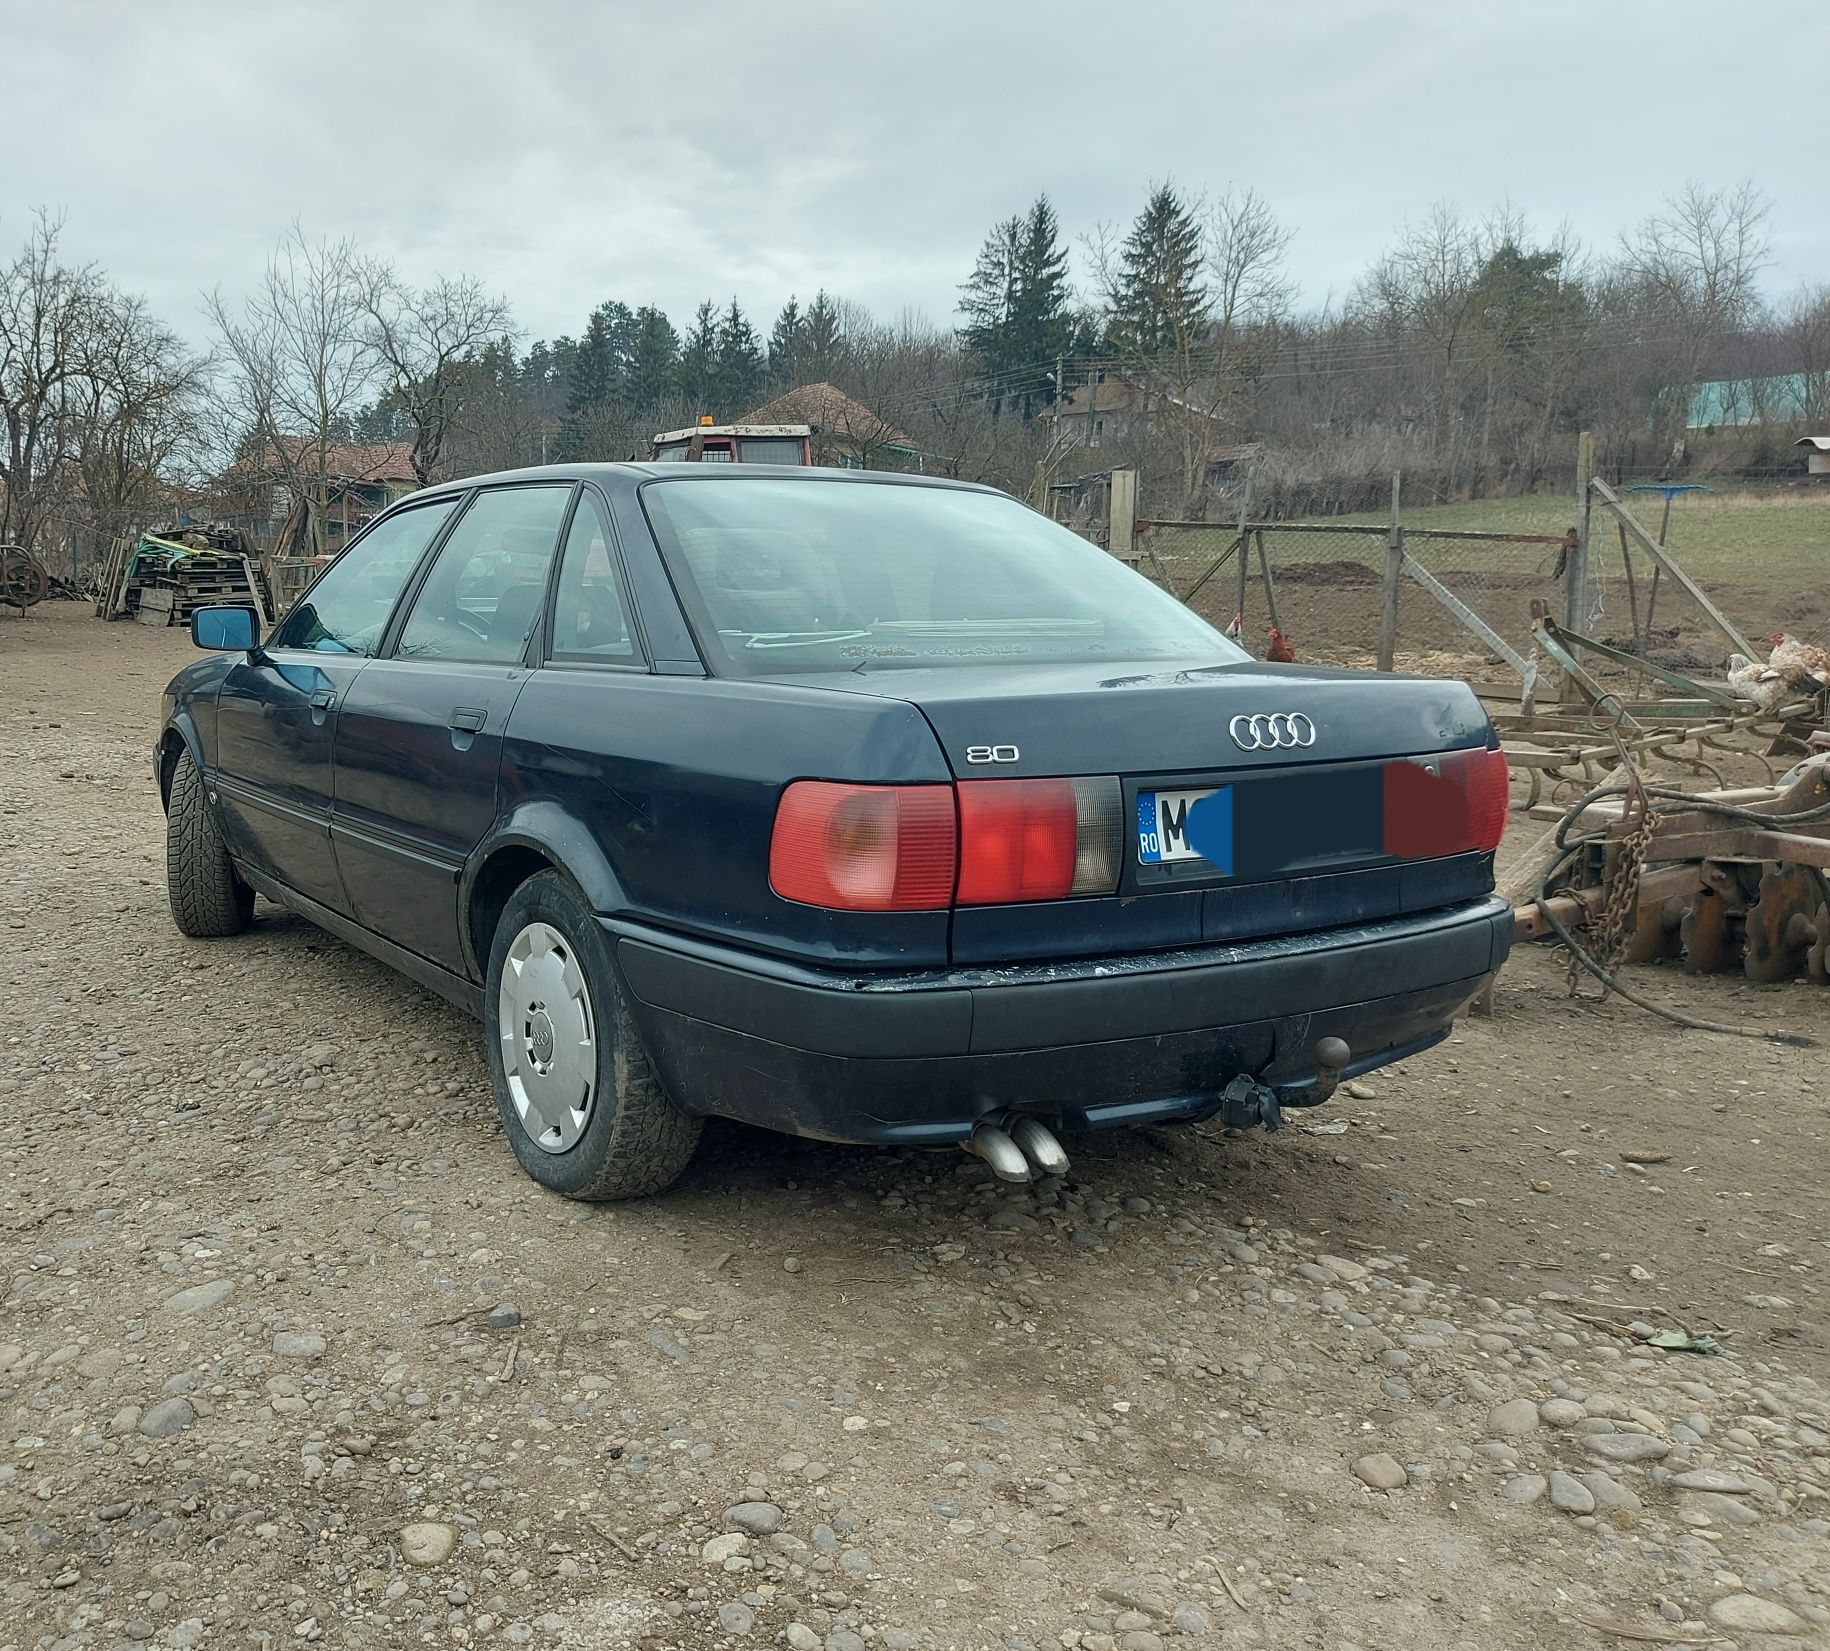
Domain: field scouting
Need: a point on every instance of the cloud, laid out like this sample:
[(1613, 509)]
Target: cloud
[(667, 153)]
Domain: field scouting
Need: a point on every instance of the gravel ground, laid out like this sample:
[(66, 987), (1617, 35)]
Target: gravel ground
[(290, 1352)]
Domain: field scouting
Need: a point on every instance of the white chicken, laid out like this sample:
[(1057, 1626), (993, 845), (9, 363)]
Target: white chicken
[(1802, 665), (1761, 684)]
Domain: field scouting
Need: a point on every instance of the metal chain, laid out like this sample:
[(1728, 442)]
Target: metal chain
[(1619, 915)]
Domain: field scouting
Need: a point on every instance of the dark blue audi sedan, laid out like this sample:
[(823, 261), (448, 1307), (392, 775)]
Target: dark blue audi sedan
[(862, 807)]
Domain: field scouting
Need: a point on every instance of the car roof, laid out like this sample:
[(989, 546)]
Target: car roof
[(635, 472)]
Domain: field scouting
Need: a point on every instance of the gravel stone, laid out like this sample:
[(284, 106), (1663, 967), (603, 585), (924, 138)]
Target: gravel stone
[(1722, 1510), (758, 1518), (735, 1617), (1714, 1479), (200, 1298), (1750, 1614), (1625, 1447), (167, 1417), (299, 1344), (1611, 1496), (1570, 1494), (1513, 1419), (427, 1543), (1381, 1471)]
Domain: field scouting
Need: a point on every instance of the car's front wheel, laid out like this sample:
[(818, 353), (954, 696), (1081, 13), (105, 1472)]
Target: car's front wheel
[(579, 1102), (206, 894)]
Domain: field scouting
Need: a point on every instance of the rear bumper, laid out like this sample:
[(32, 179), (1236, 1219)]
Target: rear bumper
[(916, 1057)]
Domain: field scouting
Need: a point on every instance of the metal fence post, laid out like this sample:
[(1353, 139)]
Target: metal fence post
[(1394, 572)]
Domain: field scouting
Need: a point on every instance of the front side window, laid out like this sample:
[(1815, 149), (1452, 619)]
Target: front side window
[(590, 616), (792, 574), (346, 611), (488, 583)]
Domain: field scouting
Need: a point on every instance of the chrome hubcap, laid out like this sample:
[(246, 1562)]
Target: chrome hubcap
[(549, 1042)]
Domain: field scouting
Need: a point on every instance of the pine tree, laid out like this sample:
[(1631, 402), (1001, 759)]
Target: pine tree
[(591, 391), (594, 376), (1018, 323), (653, 358), (988, 301), (619, 321), (1157, 303), (1043, 295), (698, 360), (825, 339), (787, 346), (737, 366)]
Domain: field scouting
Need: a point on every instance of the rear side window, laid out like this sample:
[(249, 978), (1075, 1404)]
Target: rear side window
[(347, 610), (783, 574), (590, 615), (488, 583)]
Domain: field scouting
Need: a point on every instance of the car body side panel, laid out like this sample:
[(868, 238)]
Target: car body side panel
[(677, 779), (415, 794), (276, 726)]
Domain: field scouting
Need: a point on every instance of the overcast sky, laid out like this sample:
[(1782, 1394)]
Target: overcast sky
[(665, 153)]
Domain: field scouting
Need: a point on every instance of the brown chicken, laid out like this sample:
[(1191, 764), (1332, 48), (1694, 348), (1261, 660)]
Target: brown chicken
[(1279, 648), (1800, 664)]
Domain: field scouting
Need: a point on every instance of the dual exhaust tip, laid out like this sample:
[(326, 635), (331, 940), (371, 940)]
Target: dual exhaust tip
[(1017, 1146), (1021, 1148)]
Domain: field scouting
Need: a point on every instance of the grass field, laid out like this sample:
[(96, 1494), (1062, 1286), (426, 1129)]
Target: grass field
[(1763, 557), (1764, 538)]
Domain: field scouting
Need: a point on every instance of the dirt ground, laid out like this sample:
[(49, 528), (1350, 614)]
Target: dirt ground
[(291, 1352)]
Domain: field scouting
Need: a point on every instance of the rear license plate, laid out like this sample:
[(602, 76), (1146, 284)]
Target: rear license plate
[(1186, 825)]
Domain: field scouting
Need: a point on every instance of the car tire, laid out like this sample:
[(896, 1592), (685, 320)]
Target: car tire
[(579, 1102), (207, 895)]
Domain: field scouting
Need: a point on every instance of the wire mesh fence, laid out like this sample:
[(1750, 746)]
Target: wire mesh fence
[(1665, 586), (1452, 603)]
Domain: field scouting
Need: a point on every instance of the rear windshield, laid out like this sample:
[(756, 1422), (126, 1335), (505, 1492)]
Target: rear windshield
[(800, 574)]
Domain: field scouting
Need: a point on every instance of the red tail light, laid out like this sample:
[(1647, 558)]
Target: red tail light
[(865, 847), (1037, 839), (1458, 810), (1016, 840), (922, 847)]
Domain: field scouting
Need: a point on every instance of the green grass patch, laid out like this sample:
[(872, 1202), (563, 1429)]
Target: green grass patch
[(1762, 539)]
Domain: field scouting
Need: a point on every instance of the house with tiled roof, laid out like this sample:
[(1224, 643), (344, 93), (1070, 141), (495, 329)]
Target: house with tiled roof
[(361, 479), (846, 433)]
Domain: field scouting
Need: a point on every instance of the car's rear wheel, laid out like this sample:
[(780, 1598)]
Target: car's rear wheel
[(207, 896), (579, 1102)]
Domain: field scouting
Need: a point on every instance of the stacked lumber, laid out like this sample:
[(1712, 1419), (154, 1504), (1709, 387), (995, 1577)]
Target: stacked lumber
[(162, 579)]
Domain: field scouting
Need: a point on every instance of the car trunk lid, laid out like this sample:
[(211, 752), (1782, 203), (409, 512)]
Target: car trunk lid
[(1264, 783)]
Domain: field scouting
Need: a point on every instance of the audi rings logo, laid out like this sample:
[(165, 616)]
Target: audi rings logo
[(1272, 731)]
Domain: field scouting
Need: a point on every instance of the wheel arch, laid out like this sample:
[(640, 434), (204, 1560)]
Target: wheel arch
[(179, 736), (535, 837)]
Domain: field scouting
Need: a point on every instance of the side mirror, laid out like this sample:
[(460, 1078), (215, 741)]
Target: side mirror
[(226, 630)]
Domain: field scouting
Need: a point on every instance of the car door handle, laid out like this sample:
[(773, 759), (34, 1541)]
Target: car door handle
[(323, 699), (468, 719)]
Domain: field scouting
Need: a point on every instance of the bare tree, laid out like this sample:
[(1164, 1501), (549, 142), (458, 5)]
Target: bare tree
[(48, 315), (427, 338), (299, 364), (1697, 262), (137, 413), (1806, 327)]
